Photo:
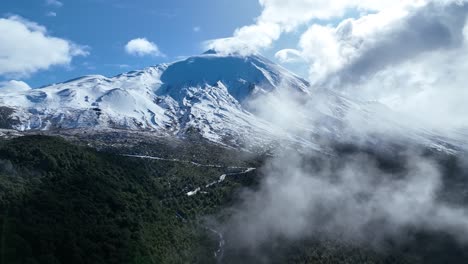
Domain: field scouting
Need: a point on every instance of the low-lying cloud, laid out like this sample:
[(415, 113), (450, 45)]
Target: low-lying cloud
[(394, 73), (351, 199)]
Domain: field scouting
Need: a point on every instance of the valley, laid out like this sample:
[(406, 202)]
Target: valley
[(233, 132), (135, 209)]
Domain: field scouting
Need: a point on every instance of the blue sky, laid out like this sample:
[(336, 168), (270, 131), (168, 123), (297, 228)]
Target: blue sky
[(406, 54), (105, 27)]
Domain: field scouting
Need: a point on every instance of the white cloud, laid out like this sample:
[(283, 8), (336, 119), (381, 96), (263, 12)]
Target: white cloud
[(142, 47), (412, 59), (280, 16), (13, 86), (360, 47), (411, 56), (288, 56), (55, 3), (247, 39), (407, 54), (26, 47), (290, 14), (345, 198), (51, 14)]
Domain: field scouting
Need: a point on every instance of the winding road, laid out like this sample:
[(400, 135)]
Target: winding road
[(199, 189), (219, 253)]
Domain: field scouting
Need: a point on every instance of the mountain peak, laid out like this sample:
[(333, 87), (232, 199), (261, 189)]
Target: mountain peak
[(206, 92), (232, 53), (210, 51), (242, 75)]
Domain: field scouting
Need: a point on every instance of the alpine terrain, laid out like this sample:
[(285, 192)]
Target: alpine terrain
[(216, 96), (222, 158)]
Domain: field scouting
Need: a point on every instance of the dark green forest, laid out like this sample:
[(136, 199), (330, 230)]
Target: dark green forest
[(62, 203), (66, 203)]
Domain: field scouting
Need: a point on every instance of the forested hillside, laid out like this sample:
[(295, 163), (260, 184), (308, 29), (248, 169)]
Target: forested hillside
[(65, 203), (61, 203)]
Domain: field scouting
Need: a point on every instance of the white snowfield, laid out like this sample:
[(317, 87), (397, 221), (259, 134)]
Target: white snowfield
[(209, 94), (202, 93)]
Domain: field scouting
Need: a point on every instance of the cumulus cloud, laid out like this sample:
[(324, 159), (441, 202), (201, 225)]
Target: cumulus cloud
[(142, 47), (290, 15), (26, 47), (280, 16), (410, 58), (248, 39), (357, 48)]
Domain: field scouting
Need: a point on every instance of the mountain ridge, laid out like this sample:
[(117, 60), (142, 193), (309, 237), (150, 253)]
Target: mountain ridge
[(215, 96), (202, 93)]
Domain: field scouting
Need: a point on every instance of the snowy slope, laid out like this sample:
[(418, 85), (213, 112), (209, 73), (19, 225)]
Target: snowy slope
[(203, 94), (221, 97)]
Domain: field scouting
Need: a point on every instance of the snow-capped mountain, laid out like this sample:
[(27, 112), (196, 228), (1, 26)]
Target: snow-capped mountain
[(222, 97), (204, 94)]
